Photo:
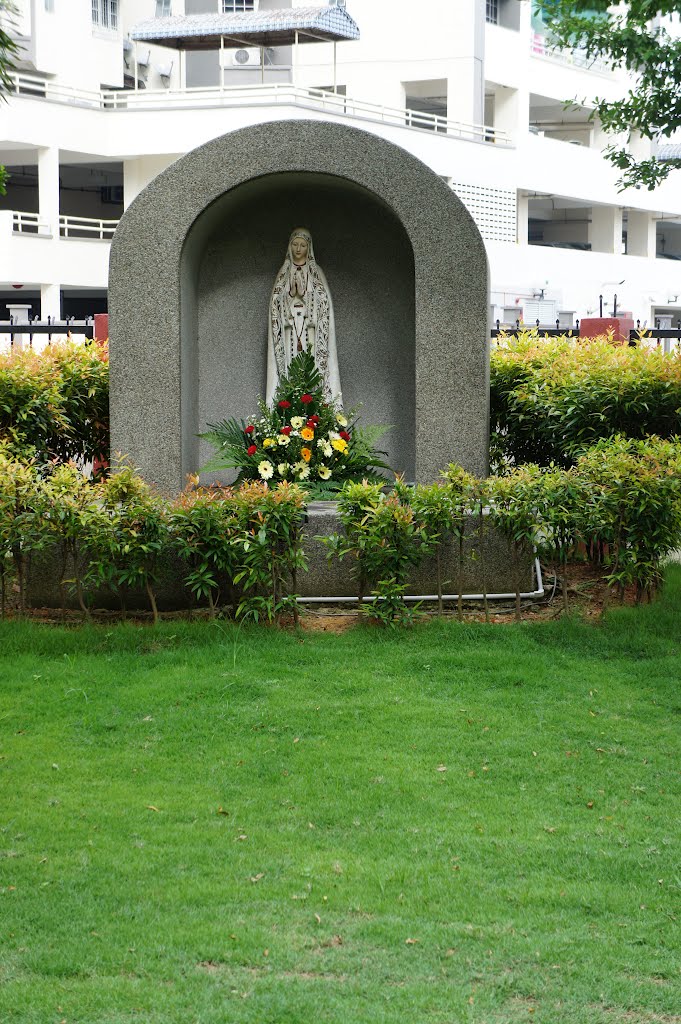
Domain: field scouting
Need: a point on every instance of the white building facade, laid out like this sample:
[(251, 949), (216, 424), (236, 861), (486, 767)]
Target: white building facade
[(470, 87)]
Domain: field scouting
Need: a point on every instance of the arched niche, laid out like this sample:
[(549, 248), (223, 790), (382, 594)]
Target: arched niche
[(194, 258), (229, 262)]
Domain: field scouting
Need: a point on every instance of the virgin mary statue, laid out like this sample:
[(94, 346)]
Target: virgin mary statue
[(301, 318)]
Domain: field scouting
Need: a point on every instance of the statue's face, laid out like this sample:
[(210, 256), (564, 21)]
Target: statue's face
[(299, 248)]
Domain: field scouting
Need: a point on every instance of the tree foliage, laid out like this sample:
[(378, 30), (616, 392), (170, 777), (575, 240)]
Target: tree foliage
[(632, 36), (9, 49)]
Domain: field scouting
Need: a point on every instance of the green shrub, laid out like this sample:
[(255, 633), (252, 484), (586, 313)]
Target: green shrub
[(203, 530), (552, 398), (386, 538), (55, 405), (631, 503), (269, 547)]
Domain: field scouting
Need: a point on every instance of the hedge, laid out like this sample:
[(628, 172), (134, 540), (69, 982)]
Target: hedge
[(54, 406), (621, 502), (551, 398)]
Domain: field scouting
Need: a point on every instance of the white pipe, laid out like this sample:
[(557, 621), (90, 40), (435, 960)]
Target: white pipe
[(434, 597)]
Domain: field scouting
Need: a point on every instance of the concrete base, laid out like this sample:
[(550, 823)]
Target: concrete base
[(488, 566)]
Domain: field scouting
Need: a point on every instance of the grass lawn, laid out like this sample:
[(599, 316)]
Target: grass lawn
[(457, 823)]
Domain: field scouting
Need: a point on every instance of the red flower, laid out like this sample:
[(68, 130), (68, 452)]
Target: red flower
[(284, 404), (314, 420), (249, 429), (306, 399), (252, 449), (285, 430), (344, 434)]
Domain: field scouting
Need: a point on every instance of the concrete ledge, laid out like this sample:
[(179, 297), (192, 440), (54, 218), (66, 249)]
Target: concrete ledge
[(488, 566)]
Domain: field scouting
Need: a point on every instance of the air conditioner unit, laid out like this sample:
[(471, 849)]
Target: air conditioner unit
[(245, 57)]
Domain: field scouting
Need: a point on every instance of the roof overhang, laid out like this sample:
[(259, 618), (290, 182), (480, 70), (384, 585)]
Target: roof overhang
[(249, 28)]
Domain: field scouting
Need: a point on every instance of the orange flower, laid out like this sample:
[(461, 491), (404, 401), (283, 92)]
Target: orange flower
[(306, 453), (307, 434)]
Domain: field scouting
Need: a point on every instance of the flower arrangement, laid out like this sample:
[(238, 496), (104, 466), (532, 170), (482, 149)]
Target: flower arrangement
[(301, 438)]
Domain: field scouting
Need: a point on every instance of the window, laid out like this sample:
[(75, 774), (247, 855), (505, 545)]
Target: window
[(163, 9), (234, 6), (492, 11), (105, 14)]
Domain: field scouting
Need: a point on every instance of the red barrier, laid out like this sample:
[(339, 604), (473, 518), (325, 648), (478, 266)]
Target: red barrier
[(101, 326), (619, 326)]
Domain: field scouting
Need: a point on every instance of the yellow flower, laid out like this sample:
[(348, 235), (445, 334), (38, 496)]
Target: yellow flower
[(324, 472), (341, 419), (266, 469), (339, 444), (306, 453), (268, 442), (307, 434), (297, 422), (282, 468)]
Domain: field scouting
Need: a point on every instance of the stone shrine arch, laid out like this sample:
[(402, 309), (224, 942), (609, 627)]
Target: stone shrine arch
[(193, 262)]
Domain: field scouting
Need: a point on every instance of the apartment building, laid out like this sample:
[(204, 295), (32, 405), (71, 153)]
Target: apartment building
[(101, 104)]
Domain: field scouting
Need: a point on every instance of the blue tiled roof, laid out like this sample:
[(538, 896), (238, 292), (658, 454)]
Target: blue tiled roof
[(259, 28)]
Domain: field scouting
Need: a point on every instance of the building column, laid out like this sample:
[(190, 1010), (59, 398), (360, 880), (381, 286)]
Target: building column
[(50, 301), (48, 187), (641, 232), (605, 230)]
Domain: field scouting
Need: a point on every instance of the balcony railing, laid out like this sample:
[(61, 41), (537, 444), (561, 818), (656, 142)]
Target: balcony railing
[(69, 227), (29, 224), (86, 227), (275, 93), (540, 46)]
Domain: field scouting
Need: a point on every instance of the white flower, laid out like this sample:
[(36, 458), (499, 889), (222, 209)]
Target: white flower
[(282, 468), (297, 422), (302, 470), (333, 436), (328, 450), (321, 442), (283, 440), (340, 419), (324, 472), (266, 469)]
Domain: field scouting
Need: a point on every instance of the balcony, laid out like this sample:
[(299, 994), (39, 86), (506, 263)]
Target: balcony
[(256, 95)]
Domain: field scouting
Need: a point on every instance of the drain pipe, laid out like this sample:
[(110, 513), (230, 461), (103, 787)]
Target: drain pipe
[(539, 592)]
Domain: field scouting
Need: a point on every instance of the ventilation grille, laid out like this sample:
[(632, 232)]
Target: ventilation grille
[(492, 209)]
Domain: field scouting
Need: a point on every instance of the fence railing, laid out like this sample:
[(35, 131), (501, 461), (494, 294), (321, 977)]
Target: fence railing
[(29, 224), (636, 334), (86, 227), (540, 46), (50, 327), (69, 227), (257, 94), (554, 331)]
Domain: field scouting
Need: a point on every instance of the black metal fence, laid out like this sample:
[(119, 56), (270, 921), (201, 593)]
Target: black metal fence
[(636, 334), (49, 327), (551, 332)]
